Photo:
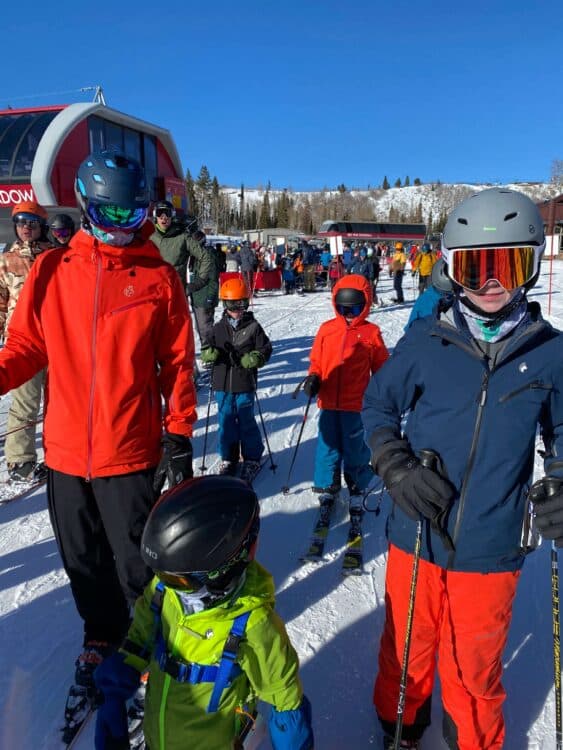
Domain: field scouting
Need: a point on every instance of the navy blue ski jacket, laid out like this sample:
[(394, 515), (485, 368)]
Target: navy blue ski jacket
[(482, 422)]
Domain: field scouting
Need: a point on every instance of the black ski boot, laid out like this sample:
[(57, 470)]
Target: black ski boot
[(82, 695)]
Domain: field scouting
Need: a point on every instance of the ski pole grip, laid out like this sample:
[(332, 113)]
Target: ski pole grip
[(428, 459), (552, 485)]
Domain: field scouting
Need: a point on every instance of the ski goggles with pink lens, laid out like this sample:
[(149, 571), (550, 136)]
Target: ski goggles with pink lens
[(108, 217), (473, 267)]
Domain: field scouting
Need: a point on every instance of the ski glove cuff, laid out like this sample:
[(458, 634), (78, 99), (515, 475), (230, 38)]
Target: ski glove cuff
[(417, 490), (175, 463), (547, 497), (292, 730), (312, 385), (117, 682), (252, 360)]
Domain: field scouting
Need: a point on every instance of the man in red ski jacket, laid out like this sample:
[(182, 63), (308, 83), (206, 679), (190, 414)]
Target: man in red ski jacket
[(110, 320)]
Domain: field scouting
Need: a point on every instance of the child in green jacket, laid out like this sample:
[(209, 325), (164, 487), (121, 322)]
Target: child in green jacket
[(206, 630)]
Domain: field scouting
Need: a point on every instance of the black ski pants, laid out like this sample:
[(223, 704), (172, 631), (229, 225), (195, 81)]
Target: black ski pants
[(98, 526)]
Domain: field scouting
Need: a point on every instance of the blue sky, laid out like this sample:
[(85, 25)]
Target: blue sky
[(312, 94)]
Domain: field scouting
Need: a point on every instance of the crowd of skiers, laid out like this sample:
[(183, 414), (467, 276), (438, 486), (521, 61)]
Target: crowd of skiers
[(167, 585)]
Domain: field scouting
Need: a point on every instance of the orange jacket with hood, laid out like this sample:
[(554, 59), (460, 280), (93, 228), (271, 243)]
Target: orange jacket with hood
[(113, 326), (345, 355)]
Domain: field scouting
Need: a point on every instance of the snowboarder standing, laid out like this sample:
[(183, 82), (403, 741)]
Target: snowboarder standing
[(475, 379), (346, 351), (206, 630), (113, 350), (237, 348)]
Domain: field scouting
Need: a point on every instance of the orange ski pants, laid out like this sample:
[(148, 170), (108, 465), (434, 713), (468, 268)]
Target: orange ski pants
[(461, 621)]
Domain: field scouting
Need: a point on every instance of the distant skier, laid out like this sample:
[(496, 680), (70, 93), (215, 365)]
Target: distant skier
[(422, 264), (474, 380), (206, 630), (346, 351), (397, 267), (237, 348)]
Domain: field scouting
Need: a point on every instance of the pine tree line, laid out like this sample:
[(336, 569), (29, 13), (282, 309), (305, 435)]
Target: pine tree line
[(222, 210)]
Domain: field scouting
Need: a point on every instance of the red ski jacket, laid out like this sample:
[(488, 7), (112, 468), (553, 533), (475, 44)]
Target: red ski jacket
[(344, 355), (113, 327)]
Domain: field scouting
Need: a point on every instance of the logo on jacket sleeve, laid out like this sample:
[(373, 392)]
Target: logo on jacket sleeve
[(522, 367)]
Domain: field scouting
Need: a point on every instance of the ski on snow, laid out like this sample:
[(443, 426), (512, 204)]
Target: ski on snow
[(320, 532), (10, 491), (353, 560)]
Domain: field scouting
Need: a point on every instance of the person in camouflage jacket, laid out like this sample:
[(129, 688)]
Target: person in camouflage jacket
[(30, 227)]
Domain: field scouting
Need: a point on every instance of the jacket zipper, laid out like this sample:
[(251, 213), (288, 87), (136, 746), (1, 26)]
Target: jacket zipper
[(98, 261), (471, 461), (340, 368), (536, 385)]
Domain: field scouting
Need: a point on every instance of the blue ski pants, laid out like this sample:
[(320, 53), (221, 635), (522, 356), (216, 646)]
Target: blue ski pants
[(340, 444), (237, 426)]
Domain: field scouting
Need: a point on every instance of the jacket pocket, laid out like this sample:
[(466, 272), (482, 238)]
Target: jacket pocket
[(535, 385), (131, 305)]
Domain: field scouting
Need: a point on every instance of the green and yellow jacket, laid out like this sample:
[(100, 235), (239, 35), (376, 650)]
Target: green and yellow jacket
[(176, 713)]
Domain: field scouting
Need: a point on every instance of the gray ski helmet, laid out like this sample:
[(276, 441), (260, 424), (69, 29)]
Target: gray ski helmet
[(496, 217), (440, 279), (110, 178), (202, 524)]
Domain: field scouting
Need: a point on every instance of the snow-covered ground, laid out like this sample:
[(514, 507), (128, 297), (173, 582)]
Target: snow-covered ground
[(334, 622)]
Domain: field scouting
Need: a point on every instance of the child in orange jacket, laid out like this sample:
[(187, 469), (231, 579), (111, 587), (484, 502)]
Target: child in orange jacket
[(347, 350)]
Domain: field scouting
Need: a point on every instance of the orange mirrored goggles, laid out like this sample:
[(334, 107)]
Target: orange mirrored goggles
[(512, 267)]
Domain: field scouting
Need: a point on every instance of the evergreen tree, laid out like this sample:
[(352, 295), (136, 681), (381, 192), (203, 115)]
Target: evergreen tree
[(417, 181), (305, 217), (265, 220), (385, 184), (282, 214), (407, 181), (192, 207), (398, 182), (203, 193), (429, 226)]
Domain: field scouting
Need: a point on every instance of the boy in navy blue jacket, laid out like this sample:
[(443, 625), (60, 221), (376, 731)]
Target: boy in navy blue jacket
[(476, 379)]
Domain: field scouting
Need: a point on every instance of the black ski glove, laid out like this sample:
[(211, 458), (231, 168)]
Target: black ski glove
[(547, 496), (312, 385), (417, 489), (175, 462)]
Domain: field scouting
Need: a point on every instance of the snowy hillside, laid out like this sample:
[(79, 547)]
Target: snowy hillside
[(334, 622), (433, 198)]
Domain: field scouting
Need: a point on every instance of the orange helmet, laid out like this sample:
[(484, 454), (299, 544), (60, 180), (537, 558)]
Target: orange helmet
[(233, 289), (31, 208), (398, 245)]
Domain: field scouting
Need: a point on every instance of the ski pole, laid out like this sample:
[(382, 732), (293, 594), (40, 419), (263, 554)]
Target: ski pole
[(273, 466), (551, 486), (285, 488), (428, 459), (203, 467)]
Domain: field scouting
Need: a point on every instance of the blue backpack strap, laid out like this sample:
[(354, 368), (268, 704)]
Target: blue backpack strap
[(227, 663)]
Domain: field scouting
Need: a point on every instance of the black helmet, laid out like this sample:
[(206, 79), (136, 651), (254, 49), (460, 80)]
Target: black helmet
[(111, 189), (202, 533), (164, 206), (348, 297), (62, 221)]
